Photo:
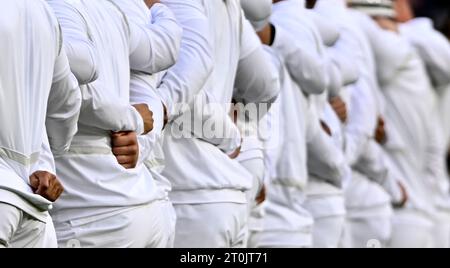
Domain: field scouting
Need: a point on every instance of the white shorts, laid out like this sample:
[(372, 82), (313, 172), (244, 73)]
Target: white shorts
[(146, 226), (19, 230), (212, 225)]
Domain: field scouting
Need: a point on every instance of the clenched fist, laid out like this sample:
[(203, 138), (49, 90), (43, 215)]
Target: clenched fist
[(46, 185), (125, 148)]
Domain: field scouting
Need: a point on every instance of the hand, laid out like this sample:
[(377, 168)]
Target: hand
[(326, 128), (125, 148), (150, 3), (266, 34), (261, 196), (405, 197), (340, 108), (46, 185), (380, 132), (147, 116)]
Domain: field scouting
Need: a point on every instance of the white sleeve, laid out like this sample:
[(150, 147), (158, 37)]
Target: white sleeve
[(154, 45), (255, 85), (195, 63), (63, 106), (361, 123), (207, 116), (102, 112), (143, 91), (307, 68), (325, 159), (79, 47), (432, 46), (335, 83), (46, 161)]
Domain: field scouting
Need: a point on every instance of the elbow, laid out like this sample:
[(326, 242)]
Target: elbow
[(87, 75), (313, 81), (83, 65), (272, 89), (314, 85)]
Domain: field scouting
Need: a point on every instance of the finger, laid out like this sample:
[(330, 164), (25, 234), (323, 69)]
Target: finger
[(124, 150), (124, 159), (34, 182), (124, 141), (44, 184)]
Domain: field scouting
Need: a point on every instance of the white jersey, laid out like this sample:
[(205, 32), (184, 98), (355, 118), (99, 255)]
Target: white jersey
[(300, 43), (435, 54), (297, 124), (408, 93), (199, 170), (37, 90), (90, 172)]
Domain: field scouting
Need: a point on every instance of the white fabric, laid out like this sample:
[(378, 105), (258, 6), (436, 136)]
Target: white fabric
[(106, 186), (20, 230), (432, 46), (328, 231), (38, 92), (445, 113), (441, 230), (371, 225), (219, 178), (217, 225), (435, 53), (286, 222), (146, 226), (257, 12), (383, 8), (161, 30), (411, 229), (300, 45), (160, 24)]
